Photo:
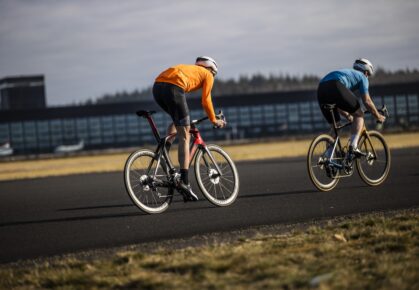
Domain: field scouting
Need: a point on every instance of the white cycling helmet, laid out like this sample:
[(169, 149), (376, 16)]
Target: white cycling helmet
[(363, 64), (207, 62)]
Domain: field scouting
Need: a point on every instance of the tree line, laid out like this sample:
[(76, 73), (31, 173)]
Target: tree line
[(260, 83)]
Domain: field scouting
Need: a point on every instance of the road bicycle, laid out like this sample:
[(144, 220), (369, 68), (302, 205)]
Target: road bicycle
[(151, 179), (328, 160)]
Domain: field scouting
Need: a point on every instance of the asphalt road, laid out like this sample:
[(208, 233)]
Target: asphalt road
[(58, 215)]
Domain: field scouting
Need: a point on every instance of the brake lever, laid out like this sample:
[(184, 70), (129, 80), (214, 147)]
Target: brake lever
[(220, 116), (383, 111)]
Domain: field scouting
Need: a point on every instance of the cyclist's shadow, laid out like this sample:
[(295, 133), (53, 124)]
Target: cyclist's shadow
[(292, 192)]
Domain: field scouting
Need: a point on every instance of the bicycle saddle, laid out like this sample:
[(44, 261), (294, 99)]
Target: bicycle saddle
[(143, 113)]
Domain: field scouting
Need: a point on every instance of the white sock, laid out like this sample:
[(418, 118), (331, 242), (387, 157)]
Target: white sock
[(354, 141)]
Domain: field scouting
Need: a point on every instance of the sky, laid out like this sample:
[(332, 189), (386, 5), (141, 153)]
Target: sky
[(86, 48)]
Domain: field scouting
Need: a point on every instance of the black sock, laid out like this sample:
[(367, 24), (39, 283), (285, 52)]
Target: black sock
[(184, 175)]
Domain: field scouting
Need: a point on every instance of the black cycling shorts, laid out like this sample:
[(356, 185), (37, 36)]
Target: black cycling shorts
[(334, 92), (172, 100)]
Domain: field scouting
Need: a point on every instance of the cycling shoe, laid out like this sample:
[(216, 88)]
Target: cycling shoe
[(186, 190)]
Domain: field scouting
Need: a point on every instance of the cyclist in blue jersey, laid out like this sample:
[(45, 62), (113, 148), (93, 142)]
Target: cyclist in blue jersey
[(337, 87)]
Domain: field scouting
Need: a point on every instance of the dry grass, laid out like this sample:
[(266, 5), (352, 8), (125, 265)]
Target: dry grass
[(374, 251), (115, 162)]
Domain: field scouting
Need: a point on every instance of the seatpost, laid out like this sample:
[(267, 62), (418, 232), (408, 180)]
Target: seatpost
[(153, 127), (334, 123)]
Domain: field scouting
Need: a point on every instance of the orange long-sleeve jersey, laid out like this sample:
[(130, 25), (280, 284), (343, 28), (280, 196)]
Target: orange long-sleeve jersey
[(191, 78)]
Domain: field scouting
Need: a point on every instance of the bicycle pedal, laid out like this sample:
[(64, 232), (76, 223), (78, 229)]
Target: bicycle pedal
[(346, 170), (175, 178)]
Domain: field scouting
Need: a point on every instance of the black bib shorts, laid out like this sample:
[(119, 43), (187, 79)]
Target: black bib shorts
[(334, 92), (172, 100)]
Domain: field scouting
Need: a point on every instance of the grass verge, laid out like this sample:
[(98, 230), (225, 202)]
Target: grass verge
[(372, 251), (115, 162)]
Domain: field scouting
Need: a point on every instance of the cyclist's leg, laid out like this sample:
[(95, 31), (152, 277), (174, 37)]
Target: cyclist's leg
[(171, 129), (326, 94), (357, 126), (161, 93), (172, 99), (182, 122), (348, 116), (165, 96), (183, 154), (348, 102)]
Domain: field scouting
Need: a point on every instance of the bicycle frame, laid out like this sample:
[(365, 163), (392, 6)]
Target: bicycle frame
[(198, 144), (329, 159), (336, 130)]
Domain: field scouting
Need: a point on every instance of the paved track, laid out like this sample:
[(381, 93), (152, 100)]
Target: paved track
[(49, 216)]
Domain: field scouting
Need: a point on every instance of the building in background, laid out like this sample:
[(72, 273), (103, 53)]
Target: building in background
[(22, 93), (248, 116)]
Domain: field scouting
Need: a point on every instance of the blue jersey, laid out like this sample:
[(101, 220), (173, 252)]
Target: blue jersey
[(350, 78)]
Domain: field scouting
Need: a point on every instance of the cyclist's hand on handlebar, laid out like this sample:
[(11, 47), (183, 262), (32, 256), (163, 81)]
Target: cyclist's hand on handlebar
[(219, 123), (381, 119)]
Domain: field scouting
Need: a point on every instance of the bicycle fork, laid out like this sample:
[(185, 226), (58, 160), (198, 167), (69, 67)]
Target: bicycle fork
[(214, 174)]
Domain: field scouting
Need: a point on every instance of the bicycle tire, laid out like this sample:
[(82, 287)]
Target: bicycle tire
[(140, 189), (369, 168), (219, 190), (315, 156)]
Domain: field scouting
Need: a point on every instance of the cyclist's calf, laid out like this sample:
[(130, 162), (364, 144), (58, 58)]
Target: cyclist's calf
[(184, 139), (357, 126)]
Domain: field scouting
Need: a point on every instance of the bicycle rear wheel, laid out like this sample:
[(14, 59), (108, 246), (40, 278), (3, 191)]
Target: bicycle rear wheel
[(219, 187), (316, 163), (142, 179), (375, 166)]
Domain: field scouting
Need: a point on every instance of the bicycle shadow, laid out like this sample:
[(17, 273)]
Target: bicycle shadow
[(296, 192), (266, 194), (96, 207), (71, 219), (102, 216), (202, 204)]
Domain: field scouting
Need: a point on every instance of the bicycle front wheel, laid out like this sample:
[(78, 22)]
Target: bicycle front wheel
[(375, 166), (320, 174), (217, 176), (142, 179)]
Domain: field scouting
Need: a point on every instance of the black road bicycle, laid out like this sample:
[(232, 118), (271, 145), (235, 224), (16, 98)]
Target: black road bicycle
[(328, 160), (151, 179)]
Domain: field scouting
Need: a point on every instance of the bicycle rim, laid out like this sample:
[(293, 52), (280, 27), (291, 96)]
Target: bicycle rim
[(315, 163), (139, 174), (375, 166), (220, 189)]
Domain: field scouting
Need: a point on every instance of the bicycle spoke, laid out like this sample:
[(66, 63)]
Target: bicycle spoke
[(136, 185), (217, 177), (373, 168), (141, 186), (228, 180), (228, 190), (136, 173), (318, 152)]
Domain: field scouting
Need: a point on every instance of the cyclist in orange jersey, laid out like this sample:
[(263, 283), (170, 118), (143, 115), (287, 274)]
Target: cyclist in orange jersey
[(169, 92)]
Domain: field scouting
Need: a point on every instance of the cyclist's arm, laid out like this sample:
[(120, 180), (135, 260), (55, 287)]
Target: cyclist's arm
[(207, 100), (366, 98)]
